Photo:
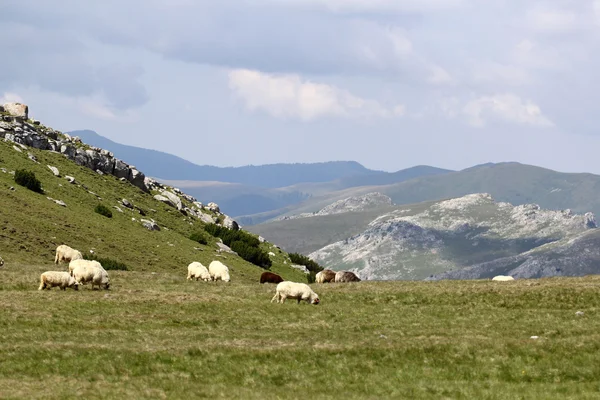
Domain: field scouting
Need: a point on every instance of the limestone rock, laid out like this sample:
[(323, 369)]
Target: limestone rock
[(126, 203), (173, 198), (150, 224), (17, 110), (54, 170), (230, 223), (214, 207)]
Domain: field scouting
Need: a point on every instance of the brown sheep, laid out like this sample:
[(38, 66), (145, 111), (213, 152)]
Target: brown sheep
[(325, 276), (346, 276), (269, 277)]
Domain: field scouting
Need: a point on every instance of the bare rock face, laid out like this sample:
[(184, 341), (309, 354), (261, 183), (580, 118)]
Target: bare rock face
[(17, 110)]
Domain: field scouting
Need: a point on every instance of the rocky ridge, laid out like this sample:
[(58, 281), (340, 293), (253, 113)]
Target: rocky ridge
[(350, 204), (18, 128), (450, 235)]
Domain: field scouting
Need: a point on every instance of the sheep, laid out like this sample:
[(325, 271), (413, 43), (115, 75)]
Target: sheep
[(65, 253), (91, 273), (503, 278), (75, 263), (198, 271), (218, 270), (1, 262), (294, 290), (62, 279), (325, 276), (269, 277), (346, 276)]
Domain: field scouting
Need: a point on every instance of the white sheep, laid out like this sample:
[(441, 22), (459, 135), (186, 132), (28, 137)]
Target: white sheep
[(75, 263), (65, 253), (503, 278), (294, 290), (62, 279), (198, 271), (84, 273), (218, 270)]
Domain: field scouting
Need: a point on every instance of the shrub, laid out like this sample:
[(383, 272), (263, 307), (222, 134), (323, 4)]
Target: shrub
[(311, 265), (27, 179), (107, 263), (312, 277), (252, 254), (103, 210), (199, 237), (229, 235)]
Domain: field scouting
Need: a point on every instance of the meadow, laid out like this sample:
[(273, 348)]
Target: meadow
[(156, 335)]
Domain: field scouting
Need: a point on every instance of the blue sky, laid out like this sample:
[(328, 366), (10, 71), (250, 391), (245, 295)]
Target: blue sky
[(390, 84)]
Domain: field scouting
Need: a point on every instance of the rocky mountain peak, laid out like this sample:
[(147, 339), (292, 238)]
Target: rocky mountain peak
[(449, 234)]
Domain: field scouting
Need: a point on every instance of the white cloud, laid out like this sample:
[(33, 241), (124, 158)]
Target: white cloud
[(9, 97), (358, 6), (493, 72), (505, 107), (288, 96), (439, 76), (552, 21)]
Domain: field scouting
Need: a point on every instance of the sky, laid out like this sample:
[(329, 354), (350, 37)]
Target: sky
[(388, 83)]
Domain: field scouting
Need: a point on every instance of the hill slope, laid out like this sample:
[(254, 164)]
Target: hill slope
[(34, 224)]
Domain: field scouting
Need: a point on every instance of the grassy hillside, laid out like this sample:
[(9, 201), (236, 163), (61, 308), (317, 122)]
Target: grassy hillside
[(33, 226), (159, 336)]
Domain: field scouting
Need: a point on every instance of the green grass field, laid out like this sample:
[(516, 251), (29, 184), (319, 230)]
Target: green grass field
[(156, 335)]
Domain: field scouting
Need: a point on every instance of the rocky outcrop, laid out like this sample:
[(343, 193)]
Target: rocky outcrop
[(16, 110), (15, 127), (351, 204)]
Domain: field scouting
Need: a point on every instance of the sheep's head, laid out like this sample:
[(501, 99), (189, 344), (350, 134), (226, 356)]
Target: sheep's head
[(315, 299)]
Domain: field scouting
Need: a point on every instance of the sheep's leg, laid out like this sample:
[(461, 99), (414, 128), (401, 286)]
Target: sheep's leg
[(276, 297)]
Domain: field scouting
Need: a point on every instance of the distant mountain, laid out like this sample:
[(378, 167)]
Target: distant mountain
[(511, 182), (167, 166), (414, 242)]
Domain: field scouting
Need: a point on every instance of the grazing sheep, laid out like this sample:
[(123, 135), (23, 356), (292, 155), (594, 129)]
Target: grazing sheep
[(75, 263), (91, 273), (346, 276), (503, 278), (62, 279), (65, 253), (269, 277), (198, 271), (218, 270), (293, 290), (325, 276)]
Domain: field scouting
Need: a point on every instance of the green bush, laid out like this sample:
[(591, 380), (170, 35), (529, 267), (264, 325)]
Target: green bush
[(229, 235), (252, 254), (199, 237), (311, 265), (27, 179), (312, 277), (107, 263), (103, 210)]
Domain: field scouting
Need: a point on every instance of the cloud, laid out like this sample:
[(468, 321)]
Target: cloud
[(8, 97), (552, 20), (439, 76), (494, 72), (363, 6), (504, 107), (288, 96)]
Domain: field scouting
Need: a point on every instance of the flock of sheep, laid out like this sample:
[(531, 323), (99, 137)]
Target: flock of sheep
[(82, 271)]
